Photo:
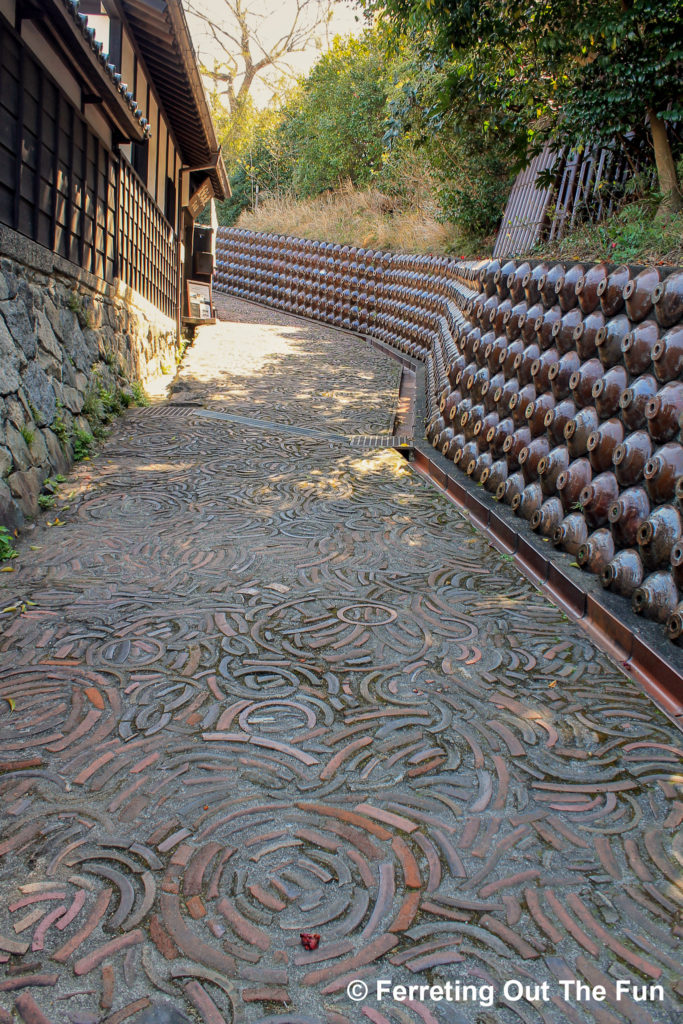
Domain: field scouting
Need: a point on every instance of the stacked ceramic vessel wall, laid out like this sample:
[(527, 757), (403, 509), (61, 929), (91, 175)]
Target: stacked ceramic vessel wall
[(557, 388)]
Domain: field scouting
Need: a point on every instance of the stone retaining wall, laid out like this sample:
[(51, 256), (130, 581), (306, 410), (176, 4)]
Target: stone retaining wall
[(66, 339)]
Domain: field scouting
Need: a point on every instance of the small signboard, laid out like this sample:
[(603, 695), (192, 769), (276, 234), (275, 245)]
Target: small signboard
[(198, 300), (200, 198)]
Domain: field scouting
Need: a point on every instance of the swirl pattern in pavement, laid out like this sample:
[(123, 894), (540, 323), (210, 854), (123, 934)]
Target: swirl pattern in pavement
[(261, 683)]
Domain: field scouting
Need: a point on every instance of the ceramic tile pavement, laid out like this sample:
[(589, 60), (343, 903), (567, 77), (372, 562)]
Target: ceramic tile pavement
[(261, 683)]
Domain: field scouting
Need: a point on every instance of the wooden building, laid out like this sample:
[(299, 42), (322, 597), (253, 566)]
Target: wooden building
[(107, 149)]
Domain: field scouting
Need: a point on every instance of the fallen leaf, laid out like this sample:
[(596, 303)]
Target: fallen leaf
[(7, 568), (309, 942), (10, 608), (11, 702), (554, 683)]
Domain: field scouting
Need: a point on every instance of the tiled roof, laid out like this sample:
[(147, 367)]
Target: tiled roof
[(81, 23)]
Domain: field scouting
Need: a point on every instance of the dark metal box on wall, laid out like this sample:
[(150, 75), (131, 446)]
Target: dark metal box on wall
[(203, 251)]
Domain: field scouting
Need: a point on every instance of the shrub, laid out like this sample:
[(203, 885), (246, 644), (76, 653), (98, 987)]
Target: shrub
[(82, 442)]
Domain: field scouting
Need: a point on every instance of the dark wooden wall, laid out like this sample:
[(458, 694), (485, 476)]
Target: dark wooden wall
[(63, 188)]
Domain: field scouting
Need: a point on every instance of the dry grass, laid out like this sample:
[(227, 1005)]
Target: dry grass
[(364, 218)]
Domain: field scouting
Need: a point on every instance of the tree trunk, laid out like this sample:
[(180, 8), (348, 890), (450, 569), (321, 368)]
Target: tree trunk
[(672, 200)]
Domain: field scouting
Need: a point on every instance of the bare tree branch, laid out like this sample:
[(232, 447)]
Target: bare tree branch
[(235, 37)]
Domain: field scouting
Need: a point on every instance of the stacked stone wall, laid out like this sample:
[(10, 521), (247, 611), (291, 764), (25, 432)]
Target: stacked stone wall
[(558, 388), (66, 338)]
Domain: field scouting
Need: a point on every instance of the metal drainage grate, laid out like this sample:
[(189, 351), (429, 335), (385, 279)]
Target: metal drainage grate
[(380, 441)]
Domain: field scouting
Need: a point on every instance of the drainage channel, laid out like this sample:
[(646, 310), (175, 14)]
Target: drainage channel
[(366, 442)]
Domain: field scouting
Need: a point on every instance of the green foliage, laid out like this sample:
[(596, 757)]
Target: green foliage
[(557, 70), (139, 395), (46, 501), (631, 235), (336, 117), (6, 545), (61, 430), (92, 406), (82, 443), (28, 435)]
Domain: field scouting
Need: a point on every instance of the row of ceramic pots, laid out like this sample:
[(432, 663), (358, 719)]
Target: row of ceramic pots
[(557, 389)]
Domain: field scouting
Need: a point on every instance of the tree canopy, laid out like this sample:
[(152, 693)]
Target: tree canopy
[(566, 71)]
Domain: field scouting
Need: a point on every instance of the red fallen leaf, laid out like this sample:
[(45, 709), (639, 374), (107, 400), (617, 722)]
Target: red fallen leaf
[(309, 942)]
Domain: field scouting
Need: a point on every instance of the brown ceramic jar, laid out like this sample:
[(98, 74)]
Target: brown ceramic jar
[(677, 564), (633, 401), (512, 485), (496, 474), (476, 467), (544, 325), (490, 389), (663, 412), (540, 369), (626, 515), (638, 294), (636, 348), (602, 442), (548, 517), (597, 497), (493, 350), (519, 403), (450, 404), (523, 363), (530, 456), (565, 287), (630, 458), (548, 283), (656, 597), (495, 435), (455, 367), (611, 291), (550, 467), (558, 418), (658, 534), (536, 412), (609, 340), (434, 428), (455, 445), (608, 390), (624, 573), (581, 382), (571, 533), (668, 299), (578, 430), (674, 624), (559, 374), (531, 283), (515, 322), (526, 503), (667, 355), (586, 333), (503, 314), (513, 444), (663, 470), (444, 439), (587, 287), (515, 281), (526, 324), (564, 330), (597, 551), (572, 481), (467, 452), (508, 356), (503, 396)]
